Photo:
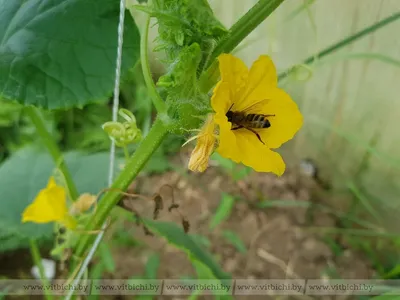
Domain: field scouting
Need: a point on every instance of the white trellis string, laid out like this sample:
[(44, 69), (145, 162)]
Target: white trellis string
[(96, 243)]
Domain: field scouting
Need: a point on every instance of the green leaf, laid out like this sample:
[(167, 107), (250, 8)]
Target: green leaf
[(24, 174), (387, 296), (184, 23), (96, 272), (223, 211), (106, 257), (283, 203), (175, 235), (363, 200), (153, 262), (204, 273), (393, 273), (225, 163), (241, 172), (61, 53), (201, 240), (235, 240)]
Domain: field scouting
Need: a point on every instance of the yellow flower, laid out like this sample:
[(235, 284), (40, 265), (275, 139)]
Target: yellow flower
[(50, 205), (205, 146), (253, 91)]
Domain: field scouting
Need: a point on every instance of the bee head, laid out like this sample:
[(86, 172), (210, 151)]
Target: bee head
[(229, 115)]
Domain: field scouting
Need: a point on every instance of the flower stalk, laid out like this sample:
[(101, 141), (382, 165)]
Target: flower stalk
[(38, 262), (132, 168), (53, 149)]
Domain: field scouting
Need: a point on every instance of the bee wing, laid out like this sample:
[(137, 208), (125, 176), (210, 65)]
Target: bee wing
[(256, 108)]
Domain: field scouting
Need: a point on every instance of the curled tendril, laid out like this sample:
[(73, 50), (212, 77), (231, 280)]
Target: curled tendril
[(123, 133)]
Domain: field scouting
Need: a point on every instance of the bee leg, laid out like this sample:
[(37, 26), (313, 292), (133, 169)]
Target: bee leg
[(256, 133), (238, 127)]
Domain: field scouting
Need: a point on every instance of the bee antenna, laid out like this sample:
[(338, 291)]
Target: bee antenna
[(231, 106)]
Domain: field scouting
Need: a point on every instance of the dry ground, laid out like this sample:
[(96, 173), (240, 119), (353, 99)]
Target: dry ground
[(279, 240)]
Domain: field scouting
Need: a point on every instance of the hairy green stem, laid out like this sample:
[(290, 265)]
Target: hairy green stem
[(237, 33), (144, 57), (344, 42), (53, 149), (244, 26), (151, 142), (37, 260)]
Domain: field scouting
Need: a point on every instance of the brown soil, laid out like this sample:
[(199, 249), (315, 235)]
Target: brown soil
[(279, 241)]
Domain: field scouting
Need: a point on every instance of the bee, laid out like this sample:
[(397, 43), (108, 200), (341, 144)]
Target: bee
[(248, 120)]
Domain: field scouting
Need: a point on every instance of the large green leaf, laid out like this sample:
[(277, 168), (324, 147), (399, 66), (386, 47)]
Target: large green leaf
[(177, 237), (61, 53), (25, 174)]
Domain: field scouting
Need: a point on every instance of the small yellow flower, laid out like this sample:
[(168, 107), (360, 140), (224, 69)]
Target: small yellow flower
[(205, 146), (253, 91), (50, 205)]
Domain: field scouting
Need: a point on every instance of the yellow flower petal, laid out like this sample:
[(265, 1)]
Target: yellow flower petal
[(69, 222), (227, 139), (233, 72), (258, 156), (205, 146), (262, 77), (51, 183), (221, 100), (243, 146), (48, 206), (286, 122)]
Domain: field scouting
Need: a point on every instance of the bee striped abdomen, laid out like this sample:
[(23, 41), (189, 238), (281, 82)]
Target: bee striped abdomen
[(257, 121)]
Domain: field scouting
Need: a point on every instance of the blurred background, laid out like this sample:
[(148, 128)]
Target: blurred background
[(333, 214), (348, 98)]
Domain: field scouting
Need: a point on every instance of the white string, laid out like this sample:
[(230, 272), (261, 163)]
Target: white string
[(96, 243)]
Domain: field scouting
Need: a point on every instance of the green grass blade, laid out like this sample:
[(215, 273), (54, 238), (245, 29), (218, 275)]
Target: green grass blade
[(362, 55), (307, 204), (38, 262), (393, 273), (355, 232), (175, 235), (152, 265), (363, 200), (394, 162), (283, 203), (387, 296), (106, 257), (223, 211), (298, 10), (346, 41), (235, 240)]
